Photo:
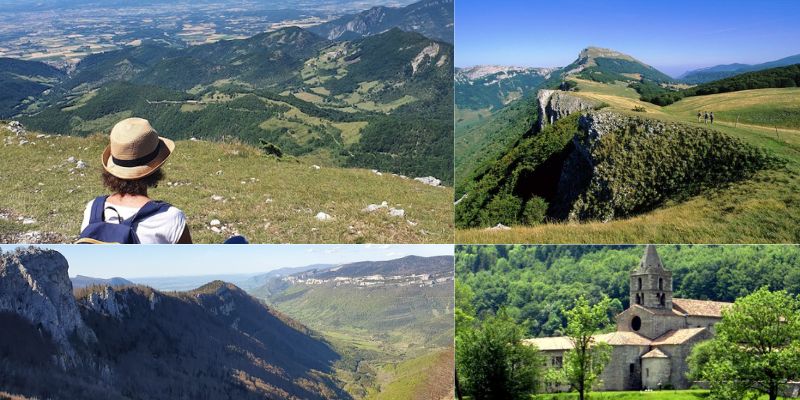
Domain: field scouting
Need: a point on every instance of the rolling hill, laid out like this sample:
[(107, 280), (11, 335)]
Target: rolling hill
[(134, 342), (358, 103), (391, 320), (21, 81), (80, 281), (268, 200), (718, 72), (432, 18), (756, 166)]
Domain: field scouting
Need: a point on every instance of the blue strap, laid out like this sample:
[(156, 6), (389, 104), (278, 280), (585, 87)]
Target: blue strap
[(98, 209), (149, 209)]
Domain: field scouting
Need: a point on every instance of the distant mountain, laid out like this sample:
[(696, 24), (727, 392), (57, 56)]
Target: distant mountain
[(139, 343), (432, 18), (21, 79), (261, 279), (80, 281), (718, 72), (492, 86), (606, 65), (380, 102), (411, 265)]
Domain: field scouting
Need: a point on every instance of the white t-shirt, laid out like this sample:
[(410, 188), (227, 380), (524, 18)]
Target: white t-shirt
[(165, 227)]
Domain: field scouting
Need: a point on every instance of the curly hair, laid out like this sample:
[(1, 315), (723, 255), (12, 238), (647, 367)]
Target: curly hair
[(132, 186)]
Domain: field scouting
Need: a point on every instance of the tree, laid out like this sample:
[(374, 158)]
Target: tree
[(584, 363), (493, 363), (756, 349)]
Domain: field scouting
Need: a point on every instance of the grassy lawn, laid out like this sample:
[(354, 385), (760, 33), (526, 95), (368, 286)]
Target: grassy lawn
[(266, 200), (762, 209), (655, 395)]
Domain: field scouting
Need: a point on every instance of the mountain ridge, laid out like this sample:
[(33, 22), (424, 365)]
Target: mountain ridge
[(717, 72)]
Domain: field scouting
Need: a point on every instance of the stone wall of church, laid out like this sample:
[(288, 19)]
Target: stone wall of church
[(624, 370), (702, 322), (656, 372), (652, 325), (678, 355)]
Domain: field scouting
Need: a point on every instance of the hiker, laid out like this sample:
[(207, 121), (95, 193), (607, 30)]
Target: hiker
[(699, 114), (131, 165), (705, 117), (711, 116)]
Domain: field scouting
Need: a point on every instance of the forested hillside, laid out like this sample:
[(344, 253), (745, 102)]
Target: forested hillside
[(535, 283)]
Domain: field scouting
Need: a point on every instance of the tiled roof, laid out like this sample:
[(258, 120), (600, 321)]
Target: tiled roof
[(655, 353), (613, 339), (623, 339), (550, 343), (700, 308), (678, 336)]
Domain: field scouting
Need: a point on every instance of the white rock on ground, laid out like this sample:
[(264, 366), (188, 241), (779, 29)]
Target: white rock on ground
[(217, 197), (429, 180), (315, 166), (375, 207), (498, 227), (80, 164), (71, 159), (28, 221), (321, 216), (215, 222), (397, 212)]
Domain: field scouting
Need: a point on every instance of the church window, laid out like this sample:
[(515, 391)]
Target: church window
[(660, 284), (647, 372), (640, 283), (638, 299), (663, 299), (636, 323), (632, 368)]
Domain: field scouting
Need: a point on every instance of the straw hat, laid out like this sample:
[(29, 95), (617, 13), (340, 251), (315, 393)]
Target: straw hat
[(136, 150)]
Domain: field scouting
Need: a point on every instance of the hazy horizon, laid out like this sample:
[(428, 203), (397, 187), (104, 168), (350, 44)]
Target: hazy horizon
[(667, 37), (157, 261)]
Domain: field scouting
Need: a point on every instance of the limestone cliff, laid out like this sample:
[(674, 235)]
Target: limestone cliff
[(34, 285), (557, 104)]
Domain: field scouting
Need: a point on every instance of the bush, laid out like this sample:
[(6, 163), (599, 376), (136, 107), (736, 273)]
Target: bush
[(535, 211), (502, 209)]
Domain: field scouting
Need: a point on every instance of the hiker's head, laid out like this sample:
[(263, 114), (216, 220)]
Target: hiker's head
[(132, 161), (132, 186)]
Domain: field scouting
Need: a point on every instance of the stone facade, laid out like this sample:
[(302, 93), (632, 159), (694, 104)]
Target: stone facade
[(654, 336)]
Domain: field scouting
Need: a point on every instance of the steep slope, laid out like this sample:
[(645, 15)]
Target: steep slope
[(264, 199), (580, 164), (80, 281), (138, 342), (381, 316), (432, 18), (21, 80), (718, 72)]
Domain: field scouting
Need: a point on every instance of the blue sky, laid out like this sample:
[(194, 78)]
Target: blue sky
[(673, 36), (158, 261)]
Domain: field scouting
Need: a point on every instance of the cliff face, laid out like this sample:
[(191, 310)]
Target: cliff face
[(134, 342), (557, 104), (34, 285)]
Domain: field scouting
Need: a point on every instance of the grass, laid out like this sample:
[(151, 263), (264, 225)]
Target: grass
[(266, 200), (762, 209), (654, 395)]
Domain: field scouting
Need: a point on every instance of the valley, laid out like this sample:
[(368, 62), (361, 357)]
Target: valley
[(756, 206)]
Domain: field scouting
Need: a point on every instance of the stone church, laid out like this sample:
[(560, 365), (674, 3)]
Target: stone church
[(654, 335)]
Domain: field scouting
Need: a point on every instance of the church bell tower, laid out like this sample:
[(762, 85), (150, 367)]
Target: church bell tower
[(651, 283)]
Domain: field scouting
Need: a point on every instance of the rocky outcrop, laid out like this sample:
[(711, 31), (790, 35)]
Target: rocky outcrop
[(556, 104), (623, 165), (35, 285)]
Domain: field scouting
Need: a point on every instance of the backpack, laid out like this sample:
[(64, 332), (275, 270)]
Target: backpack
[(100, 231)]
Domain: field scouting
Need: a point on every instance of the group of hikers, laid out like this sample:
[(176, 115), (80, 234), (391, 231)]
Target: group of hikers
[(708, 117), (132, 164)]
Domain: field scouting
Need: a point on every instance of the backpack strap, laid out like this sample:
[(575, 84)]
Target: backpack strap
[(148, 210), (98, 208)]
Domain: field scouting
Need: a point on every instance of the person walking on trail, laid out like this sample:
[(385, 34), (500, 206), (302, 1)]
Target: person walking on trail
[(699, 115), (711, 116), (705, 117), (132, 163)]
